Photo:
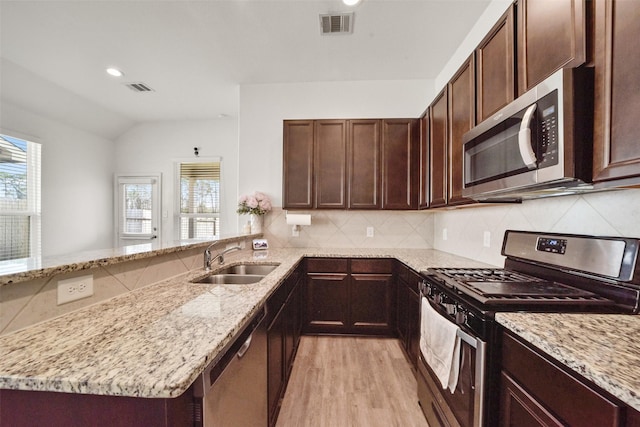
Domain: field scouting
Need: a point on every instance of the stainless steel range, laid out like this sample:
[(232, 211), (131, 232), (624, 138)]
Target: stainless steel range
[(543, 272)]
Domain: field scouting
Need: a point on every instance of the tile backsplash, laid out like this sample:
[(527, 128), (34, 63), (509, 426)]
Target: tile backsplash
[(348, 229), (611, 213)]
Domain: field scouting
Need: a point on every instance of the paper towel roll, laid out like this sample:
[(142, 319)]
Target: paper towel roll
[(299, 219)]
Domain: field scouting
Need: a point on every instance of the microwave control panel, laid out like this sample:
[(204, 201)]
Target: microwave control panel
[(548, 130)]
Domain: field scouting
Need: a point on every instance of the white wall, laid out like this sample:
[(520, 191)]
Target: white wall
[(150, 148), (264, 107), (77, 171)]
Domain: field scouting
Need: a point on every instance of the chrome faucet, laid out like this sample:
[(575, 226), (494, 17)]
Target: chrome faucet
[(207, 256), (220, 257)]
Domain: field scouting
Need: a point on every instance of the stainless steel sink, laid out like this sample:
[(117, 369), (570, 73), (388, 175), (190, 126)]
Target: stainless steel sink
[(241, 274), (230, 279), (261, 269)]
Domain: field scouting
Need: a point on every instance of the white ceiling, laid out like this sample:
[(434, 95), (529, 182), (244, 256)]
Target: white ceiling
[(195, 54)]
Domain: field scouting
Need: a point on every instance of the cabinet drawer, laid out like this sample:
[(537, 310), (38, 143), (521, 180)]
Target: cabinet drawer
[(327, 265), (379, 265), (573, 401)]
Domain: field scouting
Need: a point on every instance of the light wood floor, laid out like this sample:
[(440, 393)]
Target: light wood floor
[(350, 382)]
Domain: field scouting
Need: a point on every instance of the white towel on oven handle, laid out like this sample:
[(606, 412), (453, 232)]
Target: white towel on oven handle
[(440, 345)]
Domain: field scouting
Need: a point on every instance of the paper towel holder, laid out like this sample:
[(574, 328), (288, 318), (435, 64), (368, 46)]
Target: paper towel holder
[(297, 220)]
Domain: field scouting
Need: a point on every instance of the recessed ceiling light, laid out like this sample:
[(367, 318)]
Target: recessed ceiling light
[(351, 2), (114, 72)]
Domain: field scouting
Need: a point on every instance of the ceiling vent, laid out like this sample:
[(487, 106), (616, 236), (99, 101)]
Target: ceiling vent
[(139, 87), (340, 23)]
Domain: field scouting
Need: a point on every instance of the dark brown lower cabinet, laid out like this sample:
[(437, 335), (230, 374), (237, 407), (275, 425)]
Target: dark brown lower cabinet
[(52, 409), (408, 311), (283, 337), (275, 365), (535, 391), (350, 296)]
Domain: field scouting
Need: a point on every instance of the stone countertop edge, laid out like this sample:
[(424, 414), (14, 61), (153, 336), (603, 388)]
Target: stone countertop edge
[(24, 269), (155, 341), (603, 348)]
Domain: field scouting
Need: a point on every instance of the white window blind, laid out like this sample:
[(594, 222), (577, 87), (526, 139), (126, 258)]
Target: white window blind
[(199, 200), (20, 194)]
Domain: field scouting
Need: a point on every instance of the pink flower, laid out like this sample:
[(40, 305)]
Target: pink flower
[(256, 204), (252, 202)]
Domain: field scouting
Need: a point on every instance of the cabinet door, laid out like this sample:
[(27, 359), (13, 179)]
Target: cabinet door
[(495, 67), (413, 319), (297, 174), (401, 312), (617, 91), (275, 365), (438, 151), (519, 408), (364, 164), (551, 35), (327, 295), (330, 164), (423, 199), (574, 402), (371, 304), (400, 140), (462, 117)]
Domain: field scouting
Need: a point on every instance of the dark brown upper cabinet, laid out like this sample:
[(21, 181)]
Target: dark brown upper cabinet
[(351, 164), (364, 163), (423, 197), (495, 67), (400, 150), (551, 35), (330, 164), (438, 150), (461, 118), (617, 93), (297, 174)]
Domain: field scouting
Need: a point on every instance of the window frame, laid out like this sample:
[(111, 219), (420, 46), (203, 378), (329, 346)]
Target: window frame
[(178, 215)]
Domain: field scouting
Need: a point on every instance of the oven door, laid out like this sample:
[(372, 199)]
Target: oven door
[(463, 407)]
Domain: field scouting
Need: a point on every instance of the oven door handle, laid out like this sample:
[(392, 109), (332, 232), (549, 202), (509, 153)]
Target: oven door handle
[(473, 342)]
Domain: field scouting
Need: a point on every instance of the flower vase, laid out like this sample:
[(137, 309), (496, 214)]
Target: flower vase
[(256, 223)]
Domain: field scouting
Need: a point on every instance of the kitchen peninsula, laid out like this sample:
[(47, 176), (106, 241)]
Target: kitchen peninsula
[(154, 342)]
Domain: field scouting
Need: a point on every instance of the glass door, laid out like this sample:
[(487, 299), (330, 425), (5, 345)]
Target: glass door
[(138, 209)]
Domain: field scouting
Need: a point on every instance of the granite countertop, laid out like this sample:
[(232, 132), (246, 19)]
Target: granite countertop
[(155, 341), (20, 270), (603, 348)]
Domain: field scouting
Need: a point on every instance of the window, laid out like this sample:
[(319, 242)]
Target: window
[(199, 200), (19, 198)]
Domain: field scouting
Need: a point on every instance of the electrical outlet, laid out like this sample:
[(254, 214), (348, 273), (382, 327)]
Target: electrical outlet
[(75, 288), (444, 234), (369, 231), (487, 239)]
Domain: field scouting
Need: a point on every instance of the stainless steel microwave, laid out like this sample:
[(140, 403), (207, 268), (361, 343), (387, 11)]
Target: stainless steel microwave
[(539, 145)]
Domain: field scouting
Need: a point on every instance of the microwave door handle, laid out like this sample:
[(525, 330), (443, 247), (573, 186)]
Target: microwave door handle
[(524, 139)]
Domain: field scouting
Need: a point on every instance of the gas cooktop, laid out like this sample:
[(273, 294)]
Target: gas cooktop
[(502, 286), (549, 271)]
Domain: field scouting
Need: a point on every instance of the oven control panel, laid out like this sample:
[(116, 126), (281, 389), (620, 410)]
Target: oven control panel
[(556, 246)]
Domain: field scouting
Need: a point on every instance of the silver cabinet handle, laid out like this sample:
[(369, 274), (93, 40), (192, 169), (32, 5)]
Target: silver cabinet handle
[(244, 347)]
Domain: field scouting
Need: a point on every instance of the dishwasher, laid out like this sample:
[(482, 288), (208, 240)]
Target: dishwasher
[(232, 391)]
